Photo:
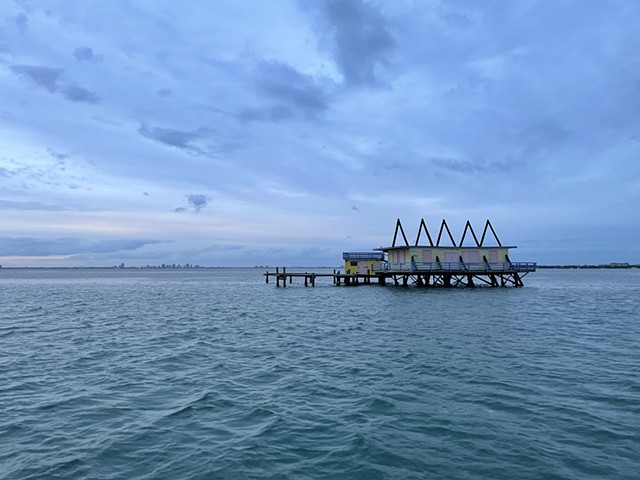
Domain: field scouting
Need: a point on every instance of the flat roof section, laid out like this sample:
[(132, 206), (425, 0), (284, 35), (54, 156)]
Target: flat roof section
[(363, 256)]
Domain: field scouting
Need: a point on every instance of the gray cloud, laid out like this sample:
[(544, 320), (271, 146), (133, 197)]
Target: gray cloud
[(460, 166), (361, 40), (198, 202), (22, 22), (51, 79), (475, 167), (198, 142), (292, 94), (291, 88), (76, 93), (396, 166), (44, 77), (164, 92), (86, 54), (173, 138), (57, 155), (27, 246)]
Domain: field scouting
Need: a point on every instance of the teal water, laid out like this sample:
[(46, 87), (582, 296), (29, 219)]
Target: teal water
[(112, 374)]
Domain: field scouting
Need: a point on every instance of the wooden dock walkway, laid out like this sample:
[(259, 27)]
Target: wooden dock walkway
[(283, 277), (425, 275)]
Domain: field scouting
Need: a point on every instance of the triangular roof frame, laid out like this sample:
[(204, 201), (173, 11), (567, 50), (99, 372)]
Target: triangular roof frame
[(470, 228), (484, 232), (426, 230), (395, 235), (443, 226)]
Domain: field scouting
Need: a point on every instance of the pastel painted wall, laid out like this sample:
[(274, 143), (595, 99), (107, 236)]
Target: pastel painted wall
[(448, 254), (352, 267)]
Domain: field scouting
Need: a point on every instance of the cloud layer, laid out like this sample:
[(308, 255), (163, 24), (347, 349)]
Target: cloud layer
[(279, 130), (41, 247)]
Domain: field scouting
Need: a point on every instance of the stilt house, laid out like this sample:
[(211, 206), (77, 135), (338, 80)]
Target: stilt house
[(405, 257), (443, 262)]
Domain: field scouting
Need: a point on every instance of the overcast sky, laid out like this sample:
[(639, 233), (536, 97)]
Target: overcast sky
[(284, 132)]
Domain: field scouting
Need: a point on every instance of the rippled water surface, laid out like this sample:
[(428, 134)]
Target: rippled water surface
[(112, 374)]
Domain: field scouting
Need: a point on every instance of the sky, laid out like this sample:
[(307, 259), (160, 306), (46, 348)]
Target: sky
[(241, 133)]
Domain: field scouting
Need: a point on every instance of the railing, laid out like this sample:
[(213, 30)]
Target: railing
[(362, 256), (471, 267)]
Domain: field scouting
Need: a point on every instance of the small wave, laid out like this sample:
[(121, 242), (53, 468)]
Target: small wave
[(203, 402), (378, 405)]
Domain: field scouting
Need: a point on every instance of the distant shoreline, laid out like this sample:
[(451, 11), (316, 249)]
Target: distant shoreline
[(611, 266), (257, 267)]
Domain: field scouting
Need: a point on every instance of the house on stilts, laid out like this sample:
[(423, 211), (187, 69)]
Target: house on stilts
[(445, 262), (426, 263)]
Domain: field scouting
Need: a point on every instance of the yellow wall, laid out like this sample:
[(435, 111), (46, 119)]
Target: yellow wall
[(417, 253), (352, 270)]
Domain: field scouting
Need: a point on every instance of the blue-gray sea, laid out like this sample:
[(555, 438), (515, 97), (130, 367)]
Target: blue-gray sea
[(212, 374)]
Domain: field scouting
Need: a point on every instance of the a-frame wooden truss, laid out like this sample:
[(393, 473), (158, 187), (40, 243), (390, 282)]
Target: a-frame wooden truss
[(464, 274)]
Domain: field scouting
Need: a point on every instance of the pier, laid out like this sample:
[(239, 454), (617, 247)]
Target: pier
[(282, 277), (433, 274), (432, 264)]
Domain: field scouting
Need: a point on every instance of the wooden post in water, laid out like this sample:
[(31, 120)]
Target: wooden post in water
[(313, 279), (266, 276), (277, 277), (518, 282), (284, 277)]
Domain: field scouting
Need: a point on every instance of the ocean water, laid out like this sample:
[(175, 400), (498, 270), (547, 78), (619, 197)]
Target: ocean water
[(114, 374)]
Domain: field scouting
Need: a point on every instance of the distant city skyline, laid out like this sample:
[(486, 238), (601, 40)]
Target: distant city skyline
[(250, 133)]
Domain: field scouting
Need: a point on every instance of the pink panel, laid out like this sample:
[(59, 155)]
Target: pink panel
[(471, 256), (451, 257)]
